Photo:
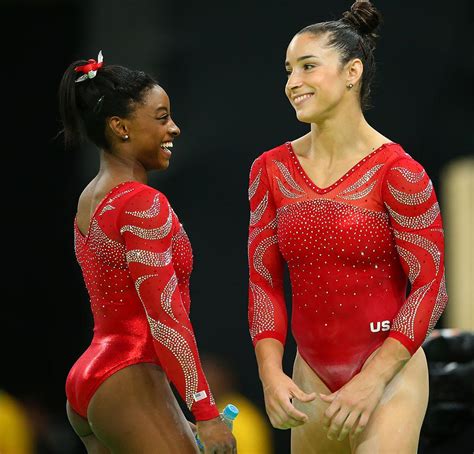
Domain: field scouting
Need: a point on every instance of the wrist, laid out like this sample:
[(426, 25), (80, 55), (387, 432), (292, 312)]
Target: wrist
[(207, 422), (268, 371), (387, 362)]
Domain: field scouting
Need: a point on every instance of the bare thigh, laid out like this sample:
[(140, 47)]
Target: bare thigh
[(84, 432), (135, 411), (310, 438), (395, 425)]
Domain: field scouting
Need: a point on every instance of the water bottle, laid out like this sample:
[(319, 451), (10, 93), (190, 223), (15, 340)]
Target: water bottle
[(228, 415)]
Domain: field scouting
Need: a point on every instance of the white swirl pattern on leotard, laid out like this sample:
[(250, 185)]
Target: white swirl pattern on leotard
[(263, 314), (256, 215)]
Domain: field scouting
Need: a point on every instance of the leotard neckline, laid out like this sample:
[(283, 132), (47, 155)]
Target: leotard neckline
[(313, 185)]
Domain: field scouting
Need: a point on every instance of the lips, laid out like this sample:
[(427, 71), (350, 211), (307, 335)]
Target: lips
[(297, 100), (165, 147)]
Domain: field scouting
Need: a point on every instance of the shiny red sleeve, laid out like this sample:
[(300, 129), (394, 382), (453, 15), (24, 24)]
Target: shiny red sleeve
[(415, 217), (147, 223), (267, 315)]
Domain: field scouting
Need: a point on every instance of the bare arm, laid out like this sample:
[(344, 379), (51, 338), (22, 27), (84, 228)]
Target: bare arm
[(278, 388)]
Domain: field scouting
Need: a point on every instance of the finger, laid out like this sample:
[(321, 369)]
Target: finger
[(337, 423), (364, 419), (327, 397), (282, 420), (232, 447), (297, 393), (290, 424), (329, 414), (292, 412), (348, 425), (287, 423)]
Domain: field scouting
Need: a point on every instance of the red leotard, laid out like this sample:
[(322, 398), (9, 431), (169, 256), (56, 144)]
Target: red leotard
[(136, 260), (350, 249)]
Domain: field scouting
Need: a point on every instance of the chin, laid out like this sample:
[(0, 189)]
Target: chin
[(305, 117), (160, 165), (164, 164)]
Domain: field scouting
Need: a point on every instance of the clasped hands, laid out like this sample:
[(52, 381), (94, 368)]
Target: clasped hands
[(349, 408)]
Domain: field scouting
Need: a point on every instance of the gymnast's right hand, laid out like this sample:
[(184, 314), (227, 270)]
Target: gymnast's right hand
[(216, 437), (279, 391)]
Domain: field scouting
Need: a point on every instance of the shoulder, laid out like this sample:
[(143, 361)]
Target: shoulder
[(268, 157), (407, 186), (144, 200), (401, 166), (397, 157)]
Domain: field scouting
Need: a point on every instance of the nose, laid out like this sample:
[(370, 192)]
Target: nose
[(293, 81), (174, 130)]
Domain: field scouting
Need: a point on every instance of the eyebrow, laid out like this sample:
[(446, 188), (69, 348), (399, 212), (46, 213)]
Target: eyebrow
[(161, 108), (304, 57)]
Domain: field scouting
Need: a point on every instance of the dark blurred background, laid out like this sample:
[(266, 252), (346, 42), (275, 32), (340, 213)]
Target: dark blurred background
[(222, 64)]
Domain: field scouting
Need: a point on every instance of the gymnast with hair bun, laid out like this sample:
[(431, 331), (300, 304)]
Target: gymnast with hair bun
[(355, 219)]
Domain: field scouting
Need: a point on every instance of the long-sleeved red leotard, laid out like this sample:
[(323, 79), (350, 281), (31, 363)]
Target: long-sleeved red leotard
[(136, 260), (350, 250)]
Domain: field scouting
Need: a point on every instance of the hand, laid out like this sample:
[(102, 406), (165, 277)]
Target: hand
[(216, 437), (351, 406), (279, 391)]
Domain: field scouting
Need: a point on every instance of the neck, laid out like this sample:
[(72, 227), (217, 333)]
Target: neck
[(121, 168), (344, 134)]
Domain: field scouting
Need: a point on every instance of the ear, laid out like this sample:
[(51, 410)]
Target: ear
[(354, 70), (118, 127)]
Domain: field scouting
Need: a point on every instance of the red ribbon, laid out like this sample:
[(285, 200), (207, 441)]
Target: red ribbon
[(92, 65)]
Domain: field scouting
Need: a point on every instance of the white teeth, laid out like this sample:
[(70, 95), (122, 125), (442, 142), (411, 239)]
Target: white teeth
[(167, 145), (301, 98)]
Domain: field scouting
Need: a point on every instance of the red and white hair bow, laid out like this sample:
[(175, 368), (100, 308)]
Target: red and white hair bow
[(89, 69)]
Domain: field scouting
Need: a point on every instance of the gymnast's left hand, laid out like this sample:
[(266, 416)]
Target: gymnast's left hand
[(351, 406), (216, 437)]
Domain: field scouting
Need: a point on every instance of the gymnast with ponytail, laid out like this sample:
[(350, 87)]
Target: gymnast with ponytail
[(136, 260)]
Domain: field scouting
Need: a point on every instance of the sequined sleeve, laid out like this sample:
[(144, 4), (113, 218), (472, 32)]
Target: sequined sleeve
[(267, 315), (146, 224), (415, 217)]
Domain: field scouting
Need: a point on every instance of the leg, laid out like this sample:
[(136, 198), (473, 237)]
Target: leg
[(311, 438), (135, 411), (84, 432), (395, 425)]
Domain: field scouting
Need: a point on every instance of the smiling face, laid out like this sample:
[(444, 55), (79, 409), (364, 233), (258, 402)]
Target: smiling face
[(317, 82), (151, 130)]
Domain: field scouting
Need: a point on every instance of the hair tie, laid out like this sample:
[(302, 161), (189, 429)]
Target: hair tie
[(89, 69)]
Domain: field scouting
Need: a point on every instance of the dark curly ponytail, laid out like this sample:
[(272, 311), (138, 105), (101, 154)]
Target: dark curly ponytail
[(85, 106)]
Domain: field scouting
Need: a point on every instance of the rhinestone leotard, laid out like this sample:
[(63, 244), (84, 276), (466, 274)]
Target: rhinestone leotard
[(136, 260), (350, 249)]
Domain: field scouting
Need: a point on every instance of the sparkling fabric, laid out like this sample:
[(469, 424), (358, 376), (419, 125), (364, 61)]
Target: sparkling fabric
[(350, 249), (136, 260)]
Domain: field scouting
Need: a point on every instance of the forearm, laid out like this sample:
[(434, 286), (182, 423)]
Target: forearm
[(269, 353), (388, 361)]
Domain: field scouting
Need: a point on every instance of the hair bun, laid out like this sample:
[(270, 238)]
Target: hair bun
[(363, 16)]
